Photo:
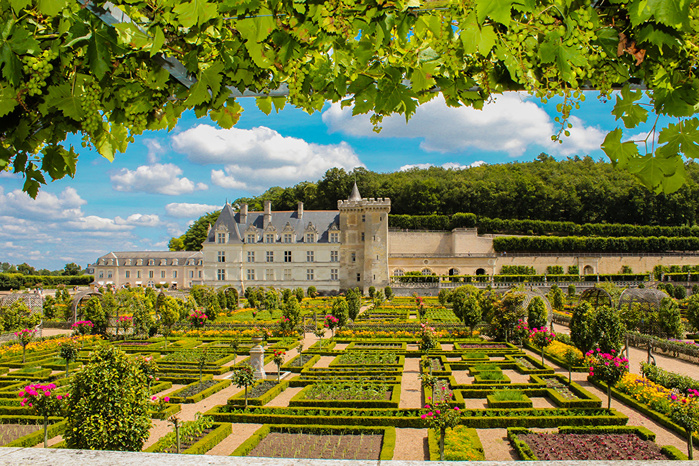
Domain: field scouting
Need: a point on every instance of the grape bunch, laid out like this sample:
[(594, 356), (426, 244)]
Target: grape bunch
[(90, 101), (38, 69), (136, 118)]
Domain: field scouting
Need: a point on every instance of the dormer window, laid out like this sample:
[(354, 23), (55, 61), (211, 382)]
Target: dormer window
[(151, 261), (139, 262), (250, 239), (175, 262), (163, 262), (334, 237), (269, 238), (127, 262), (287, 237), (310, 237), (221, 238)]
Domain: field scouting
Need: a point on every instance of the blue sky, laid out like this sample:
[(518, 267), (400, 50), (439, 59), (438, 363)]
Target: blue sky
[(164, 181)]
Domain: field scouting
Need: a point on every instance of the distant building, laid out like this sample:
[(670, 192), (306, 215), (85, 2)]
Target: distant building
[(177, 269)]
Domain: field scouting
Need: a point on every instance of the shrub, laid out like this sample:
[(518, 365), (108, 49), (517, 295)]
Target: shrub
[(557, 298), (582, 327), (109, 404), (537, 314), (608, 368), (573, 270), (312, 292), (94, 312), (670, 319), (609, 329), (693, 310)]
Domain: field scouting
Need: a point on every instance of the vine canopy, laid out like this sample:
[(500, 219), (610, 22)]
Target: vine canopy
[(113, 70)]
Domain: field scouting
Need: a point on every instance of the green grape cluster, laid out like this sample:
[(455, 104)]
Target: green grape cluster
[(136, 119), (38, 69), (90, 101)]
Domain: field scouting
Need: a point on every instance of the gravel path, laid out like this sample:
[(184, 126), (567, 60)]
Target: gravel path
[(241, 432), (411, 445), (282, 400), (496, 446), (410, 389)]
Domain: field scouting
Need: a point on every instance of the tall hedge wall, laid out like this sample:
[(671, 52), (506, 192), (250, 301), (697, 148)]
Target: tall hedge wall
[(16, 281), (564, 244)]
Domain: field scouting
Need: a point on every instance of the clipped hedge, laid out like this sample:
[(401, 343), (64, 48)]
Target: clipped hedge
[(387, 445), (16, 281), (174, 398), (594, 244), (166, 413)]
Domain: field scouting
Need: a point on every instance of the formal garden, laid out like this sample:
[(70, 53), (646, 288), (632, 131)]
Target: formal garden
[(472, 374)]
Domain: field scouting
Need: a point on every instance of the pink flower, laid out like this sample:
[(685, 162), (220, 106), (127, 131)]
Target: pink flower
[(424, 416), (154, 398), (166, 399), (456, 408), (59, 397), (673, 397), (438, 412), (430, 413)]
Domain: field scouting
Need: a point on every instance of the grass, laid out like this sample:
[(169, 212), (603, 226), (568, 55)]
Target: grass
[(508, 395), (494, 376), (475, 355)]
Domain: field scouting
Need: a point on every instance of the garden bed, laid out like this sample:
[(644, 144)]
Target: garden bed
[(348, 394), (259, 394), (322, 442), (195, 392)]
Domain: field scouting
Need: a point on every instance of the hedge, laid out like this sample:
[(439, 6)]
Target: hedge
[(387, 445), (166, 413), (300, 400), (210, 440), (239, 398), (199, 396), (525, 402), (37, 437), (16, 281), (615, 245)]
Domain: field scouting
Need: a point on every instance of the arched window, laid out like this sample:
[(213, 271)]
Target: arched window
[(426, 271), (398, 273), (588, 270), (453, 272), (480, 271)]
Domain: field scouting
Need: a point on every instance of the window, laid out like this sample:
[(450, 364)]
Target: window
[(363, 217), (175, 262), (221, 274), (163, 262), (221, 238), (334, 256), (310, 256), (287, 274), (359, 277), (101, 274), (139, 262), (354, 257), (309, 274), (362, 236), (310, 238), (334, 237), (151, 261), (191, 274), (222, 256), (128, 262), (250, 238), (251, 256), (270, 256), (398, 273), (162, 274), (269, 238), (251, 274), (109, 274), (287, 256), (269, 274), (200, 274), (127, 274), (150, 274), (287, 237), (333, 274), (174, 274), (138, 274), (426, 272)]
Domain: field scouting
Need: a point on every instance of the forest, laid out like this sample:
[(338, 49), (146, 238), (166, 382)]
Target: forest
[(576, 190)]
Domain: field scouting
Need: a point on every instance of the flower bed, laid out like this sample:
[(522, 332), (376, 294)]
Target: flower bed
[(259, 394), (348, 394), (460, 444), (323, 442), (581, 444), (198, 437), (195, 392), (365, 358)]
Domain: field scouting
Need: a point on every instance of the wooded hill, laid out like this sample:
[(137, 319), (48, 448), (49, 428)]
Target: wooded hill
[(545, 196)]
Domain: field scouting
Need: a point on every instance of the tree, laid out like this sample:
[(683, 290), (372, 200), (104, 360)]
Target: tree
[(670, 318), (388, 293), (168, 316), (353, 304), (312, 292), (693, 311), (243, 376), (340, 310), (582, 327), (537, 314), (72, 269), (467, 308), (53, 85), (26, 269), (557, 298), (609, 329), (94, 312), (292, 311), (109, 404)]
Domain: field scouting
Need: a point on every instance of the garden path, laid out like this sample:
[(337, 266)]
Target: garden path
[(241, 432), (411, 445), (496, 446), (410, 390)]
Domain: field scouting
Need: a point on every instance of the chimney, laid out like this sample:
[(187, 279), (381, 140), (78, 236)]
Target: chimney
[(268, 214), (300, 210), (243, 213)]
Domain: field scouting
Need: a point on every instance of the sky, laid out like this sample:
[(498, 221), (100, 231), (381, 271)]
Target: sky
[(165, 181)]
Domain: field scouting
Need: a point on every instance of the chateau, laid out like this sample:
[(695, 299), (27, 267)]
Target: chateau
[(336, 250)]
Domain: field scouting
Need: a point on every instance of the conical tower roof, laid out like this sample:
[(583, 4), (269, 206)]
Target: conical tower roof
[(355, 196)]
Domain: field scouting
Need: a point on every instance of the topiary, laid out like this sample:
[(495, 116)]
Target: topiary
[(109, 404)]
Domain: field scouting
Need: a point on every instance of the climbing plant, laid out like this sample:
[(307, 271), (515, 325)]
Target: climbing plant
[(111, 71)]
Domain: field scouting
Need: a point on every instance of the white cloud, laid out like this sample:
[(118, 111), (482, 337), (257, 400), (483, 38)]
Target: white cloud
[(139, 220), (6, 174), (186, 210), (257, 158), (156, 178), (509, 124), (155, 150), (448, 166)]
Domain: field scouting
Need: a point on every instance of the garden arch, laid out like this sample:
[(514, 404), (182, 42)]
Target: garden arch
[(588, 270), (647, 298), (597, 297), (77, 299)]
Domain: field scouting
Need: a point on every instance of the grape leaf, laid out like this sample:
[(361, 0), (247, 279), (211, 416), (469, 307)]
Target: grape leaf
[(228, 115), (619, 153), (98, 54), (33, 180), (208, 84), (62, 98), (17, 5), (497, 10), (673, 13), (681, 137), (8, 100), (11, 66), (658, 36), (195, 12), (158, 41), (264, 104), (659, 174), (51, 7), (631, 113), (59, 162), (22, 42)]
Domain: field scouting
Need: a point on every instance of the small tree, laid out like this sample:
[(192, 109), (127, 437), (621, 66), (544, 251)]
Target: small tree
[(571, 290), (557, 298), (440, 416), (420, 304), (353, 304), (244, 376), (25, 336), (319, 333), (44, 403), (608, 368), (235, 344), (388, 292), (278, 361), (609, 329), (312, 292), (670, 318), (340, 310), (685, 413), (537, 314), (202, 362), (198, 317), (471, 313), (427, 342), (94, 312), (542, 338), (69, 351), (582, 327), (109, 406), (331, 322), (693, 310), (372, 291), (571, 358), (124, 323), (292, 311), (168, 316), (299, 294)]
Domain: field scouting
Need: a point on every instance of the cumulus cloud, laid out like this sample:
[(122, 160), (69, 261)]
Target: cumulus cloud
[(187, 210), (509, 124), (156, 178), (448, 166), (256, 158), (155, 150)]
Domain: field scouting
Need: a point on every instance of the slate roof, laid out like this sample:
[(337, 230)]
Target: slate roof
[(169, 256), (322, 220)]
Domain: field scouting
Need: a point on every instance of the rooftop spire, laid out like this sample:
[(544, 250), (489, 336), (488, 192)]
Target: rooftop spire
[(355, 196)]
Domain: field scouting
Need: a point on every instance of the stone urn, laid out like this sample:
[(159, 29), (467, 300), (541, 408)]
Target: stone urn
[(257, 358)]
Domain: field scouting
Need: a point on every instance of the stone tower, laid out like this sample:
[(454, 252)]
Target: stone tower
[(364, 241)]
